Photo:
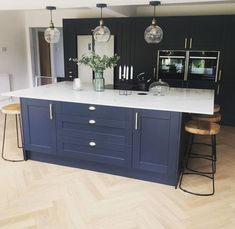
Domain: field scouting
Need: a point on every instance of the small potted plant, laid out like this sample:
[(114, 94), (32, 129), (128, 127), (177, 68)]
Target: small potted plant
[(98, 64)]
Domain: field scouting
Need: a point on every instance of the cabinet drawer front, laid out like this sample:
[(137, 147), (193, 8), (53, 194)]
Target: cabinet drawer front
[(75, 135), (93, 149), (77, 123), (93, 111)]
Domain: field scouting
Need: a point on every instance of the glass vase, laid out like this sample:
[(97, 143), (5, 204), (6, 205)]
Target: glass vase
[(98, 81)]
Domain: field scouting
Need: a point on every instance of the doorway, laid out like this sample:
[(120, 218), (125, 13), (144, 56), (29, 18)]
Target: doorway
[(44, 59), (47, 59)]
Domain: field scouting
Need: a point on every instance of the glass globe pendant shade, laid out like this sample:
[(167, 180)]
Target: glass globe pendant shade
[(153, 34), (52, 35), (101, 33)]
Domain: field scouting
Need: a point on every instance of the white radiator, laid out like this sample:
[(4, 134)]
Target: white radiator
[(5, 85)]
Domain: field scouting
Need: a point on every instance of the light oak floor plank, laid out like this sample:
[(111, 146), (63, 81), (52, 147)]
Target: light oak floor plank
[(40, 195)]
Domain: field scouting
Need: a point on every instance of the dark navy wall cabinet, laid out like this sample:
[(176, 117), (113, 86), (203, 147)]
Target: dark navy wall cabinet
[(156, 141), (137, 143), (39, 128)]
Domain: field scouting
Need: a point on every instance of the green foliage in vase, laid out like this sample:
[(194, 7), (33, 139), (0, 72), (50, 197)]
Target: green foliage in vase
[(96, 62)]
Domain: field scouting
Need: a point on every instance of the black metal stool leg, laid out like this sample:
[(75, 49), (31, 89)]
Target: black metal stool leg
[(213, 140), (188, 152), (22, 141), (194, 172), (209, 157), (17, 131), (191, 140), (4, 138), (4, 135)]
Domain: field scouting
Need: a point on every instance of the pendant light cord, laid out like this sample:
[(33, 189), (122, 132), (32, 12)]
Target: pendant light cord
[(101, 12), (51, 15)]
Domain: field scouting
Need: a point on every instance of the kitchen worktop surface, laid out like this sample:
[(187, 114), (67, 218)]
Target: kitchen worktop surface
[(198, 101)]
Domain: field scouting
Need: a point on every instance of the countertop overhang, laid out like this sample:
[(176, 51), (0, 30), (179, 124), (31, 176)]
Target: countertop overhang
[(198, 101)]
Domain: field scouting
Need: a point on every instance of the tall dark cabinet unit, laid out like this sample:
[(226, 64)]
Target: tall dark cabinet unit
[(206, 33), (226, 87)]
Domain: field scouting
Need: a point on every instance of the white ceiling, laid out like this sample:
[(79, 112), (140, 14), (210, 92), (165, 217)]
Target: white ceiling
[(41, 4)]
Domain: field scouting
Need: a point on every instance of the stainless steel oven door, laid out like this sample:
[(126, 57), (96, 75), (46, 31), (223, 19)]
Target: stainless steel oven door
[(171, 64), (203, 65)]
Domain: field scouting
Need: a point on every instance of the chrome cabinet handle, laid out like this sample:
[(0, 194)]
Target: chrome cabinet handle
[(191, 43), (92, 108), (220, 74), (216, 78), (136, 120), (92, 121), (50, 111), (185, 42), (218, 89), (92, 144)]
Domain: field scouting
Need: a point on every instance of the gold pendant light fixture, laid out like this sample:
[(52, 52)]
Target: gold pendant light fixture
[(101, 33), (51, 34), (153, 34)]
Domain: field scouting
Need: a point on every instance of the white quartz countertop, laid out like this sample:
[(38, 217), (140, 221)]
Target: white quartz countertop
[(199, 101)]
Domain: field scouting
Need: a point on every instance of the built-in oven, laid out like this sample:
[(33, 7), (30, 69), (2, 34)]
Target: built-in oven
[(203, 65), (171, 64)]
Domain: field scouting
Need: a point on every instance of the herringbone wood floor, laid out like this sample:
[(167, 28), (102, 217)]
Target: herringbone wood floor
[(40, 195)]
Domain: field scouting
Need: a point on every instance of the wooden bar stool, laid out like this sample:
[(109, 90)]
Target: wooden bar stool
[(216, 117), (12, 109), (197, 127), (216, 108)]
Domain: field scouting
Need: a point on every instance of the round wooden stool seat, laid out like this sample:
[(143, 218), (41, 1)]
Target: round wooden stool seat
[(13, 109), (216, 108), (209, 118), (202, 127)]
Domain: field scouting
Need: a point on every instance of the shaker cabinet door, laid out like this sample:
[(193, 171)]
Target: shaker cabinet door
[(38, 117), (156, 141), (207, 33), (175, 33)]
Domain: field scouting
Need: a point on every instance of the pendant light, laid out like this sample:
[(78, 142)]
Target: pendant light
[(101, 33), (51, 34), (153, 34)]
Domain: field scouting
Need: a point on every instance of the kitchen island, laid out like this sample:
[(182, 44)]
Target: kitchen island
[(139, 136)]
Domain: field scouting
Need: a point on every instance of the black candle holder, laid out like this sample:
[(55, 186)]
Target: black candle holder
[(125, 86)]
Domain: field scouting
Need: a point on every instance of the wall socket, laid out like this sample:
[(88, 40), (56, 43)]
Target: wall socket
[(4, 49)]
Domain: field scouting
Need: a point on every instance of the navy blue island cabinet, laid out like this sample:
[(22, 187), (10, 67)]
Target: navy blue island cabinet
[(156, 142), (39, 125), (137, 143)]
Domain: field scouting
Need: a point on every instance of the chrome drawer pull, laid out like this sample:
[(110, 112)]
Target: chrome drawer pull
[(185, 42), (91, 108), (50, 111), (92, 121), (136, 121), (220, 75), (92, 144), (191, 43)]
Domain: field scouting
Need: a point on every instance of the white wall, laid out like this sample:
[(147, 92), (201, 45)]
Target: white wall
[(14, 60), (41, 18)]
